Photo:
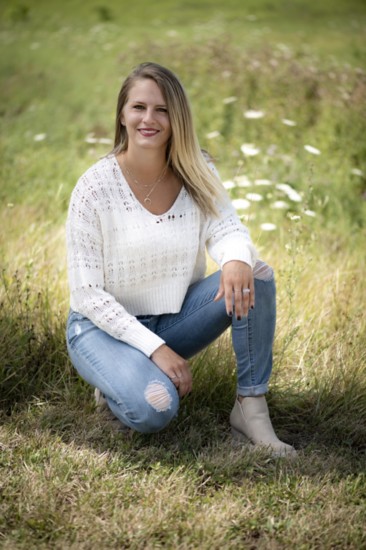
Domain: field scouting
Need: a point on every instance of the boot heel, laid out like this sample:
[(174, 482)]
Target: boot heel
[(239, 436)]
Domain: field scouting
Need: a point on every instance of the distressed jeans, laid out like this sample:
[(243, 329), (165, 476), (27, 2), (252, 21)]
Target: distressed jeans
[(137, 391)]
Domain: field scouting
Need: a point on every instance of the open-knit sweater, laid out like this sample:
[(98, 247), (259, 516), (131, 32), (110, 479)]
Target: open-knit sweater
[(124, 261)]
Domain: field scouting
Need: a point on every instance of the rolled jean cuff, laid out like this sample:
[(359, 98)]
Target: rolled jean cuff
[(252, 391)]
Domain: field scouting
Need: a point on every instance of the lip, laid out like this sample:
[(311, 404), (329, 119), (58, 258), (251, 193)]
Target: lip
[(148, 132)]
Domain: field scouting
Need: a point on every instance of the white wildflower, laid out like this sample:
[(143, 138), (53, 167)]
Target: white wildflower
[(294, 217), (288, 122), (212, 135), (262, 182), (40, 137), (268, 226), (310, 213), (90, 138), (249, 150), (240, 204), (228, 100), (250, 216), (294, 196), (311, 149), (285, 187), (10, 205), (252, 114), (357, 172), (242, 181), (290, 192), (280, 205), (105, 141), (172, 33), (228, 184), (254, 197)]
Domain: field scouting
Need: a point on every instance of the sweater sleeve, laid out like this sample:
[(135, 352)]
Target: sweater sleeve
[(226, 237), (86, 276)]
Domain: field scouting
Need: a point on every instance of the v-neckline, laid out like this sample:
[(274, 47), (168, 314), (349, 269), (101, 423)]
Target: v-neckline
[(142, 207)]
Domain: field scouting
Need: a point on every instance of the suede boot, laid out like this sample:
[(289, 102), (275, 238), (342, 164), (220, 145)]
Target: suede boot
[(250, 420)]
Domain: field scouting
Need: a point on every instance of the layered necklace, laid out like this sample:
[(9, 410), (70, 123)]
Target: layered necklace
[(150, 186)]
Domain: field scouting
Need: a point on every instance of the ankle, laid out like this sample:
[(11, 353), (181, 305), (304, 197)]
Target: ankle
[(241, 398)]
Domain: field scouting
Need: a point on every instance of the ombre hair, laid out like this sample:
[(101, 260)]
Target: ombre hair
[(183, 154)]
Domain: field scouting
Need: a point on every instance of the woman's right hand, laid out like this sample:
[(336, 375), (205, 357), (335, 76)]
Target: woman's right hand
[(175, 367)]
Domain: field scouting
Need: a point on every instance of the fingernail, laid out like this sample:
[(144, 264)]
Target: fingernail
[(230, 313), (239, 317), (251, 307)]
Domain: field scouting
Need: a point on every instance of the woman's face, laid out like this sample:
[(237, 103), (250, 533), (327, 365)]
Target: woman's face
[(145, 116)]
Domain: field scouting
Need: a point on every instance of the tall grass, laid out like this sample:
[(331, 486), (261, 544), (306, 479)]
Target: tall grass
[(67, 480)]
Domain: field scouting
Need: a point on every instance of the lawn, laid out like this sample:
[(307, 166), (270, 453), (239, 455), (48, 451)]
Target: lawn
[(278, 91)]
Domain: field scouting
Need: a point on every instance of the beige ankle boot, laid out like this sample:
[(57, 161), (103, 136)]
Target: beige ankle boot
[(250, 419)]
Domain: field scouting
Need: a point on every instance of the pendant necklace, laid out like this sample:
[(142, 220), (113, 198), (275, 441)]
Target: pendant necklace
[(153, 185)]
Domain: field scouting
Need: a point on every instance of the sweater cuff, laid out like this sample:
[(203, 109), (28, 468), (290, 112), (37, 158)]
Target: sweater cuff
[(144, 339), (245, 254)]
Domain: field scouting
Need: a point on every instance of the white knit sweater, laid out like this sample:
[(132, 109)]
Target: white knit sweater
[(124, 261)]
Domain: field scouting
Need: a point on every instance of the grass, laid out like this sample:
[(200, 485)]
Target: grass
[(67, 480)]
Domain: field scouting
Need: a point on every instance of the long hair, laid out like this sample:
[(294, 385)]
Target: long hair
[(183, 153)]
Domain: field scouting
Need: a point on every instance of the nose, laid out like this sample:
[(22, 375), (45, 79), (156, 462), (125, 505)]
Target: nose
[(148, 115)]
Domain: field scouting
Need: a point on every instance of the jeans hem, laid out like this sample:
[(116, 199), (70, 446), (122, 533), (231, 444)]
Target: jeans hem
[(252, 391)]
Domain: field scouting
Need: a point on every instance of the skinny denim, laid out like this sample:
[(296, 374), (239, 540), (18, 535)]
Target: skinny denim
[(141, 395)]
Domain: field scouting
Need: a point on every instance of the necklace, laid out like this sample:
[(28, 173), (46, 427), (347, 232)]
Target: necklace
[(152, 186)]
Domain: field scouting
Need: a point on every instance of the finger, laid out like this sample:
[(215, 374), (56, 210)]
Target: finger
[(246, 293), (185, 387), (220, 292), (238, 302), (219, 295), (229, 301), (252, 293)]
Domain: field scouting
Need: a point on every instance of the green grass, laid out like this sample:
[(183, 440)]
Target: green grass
[(68, 481)]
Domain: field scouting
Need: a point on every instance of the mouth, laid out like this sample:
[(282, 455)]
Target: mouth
[(148, 132)]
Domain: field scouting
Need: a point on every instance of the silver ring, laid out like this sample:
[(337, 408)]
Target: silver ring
[(246, 291)]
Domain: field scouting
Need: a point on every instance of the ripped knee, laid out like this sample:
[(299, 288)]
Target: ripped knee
[(158, 396), (263, 271)]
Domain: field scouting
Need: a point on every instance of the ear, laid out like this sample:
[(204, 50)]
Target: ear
[(122, 121)]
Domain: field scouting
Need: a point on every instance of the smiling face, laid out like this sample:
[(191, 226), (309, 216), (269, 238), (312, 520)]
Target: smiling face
[(145, 116)]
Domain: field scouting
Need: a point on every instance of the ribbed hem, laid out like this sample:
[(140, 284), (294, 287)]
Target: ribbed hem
[(143, 339)]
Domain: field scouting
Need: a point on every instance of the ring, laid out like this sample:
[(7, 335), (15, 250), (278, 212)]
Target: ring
[(246, 291)]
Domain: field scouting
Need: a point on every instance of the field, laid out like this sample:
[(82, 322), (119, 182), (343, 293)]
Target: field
[(278, 91)]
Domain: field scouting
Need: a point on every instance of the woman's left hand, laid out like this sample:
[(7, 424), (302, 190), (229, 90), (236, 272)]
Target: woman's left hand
[(237, 286)]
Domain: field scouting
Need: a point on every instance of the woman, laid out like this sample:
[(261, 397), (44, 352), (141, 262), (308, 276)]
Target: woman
[(139, 223)]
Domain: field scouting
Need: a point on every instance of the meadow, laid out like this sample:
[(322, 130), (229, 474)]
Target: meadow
[(278, 91)]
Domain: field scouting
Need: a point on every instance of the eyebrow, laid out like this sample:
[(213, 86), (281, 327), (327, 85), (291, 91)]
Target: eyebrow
[(144, 103)]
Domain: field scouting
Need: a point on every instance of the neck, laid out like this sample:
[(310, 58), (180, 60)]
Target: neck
[(146, 166)]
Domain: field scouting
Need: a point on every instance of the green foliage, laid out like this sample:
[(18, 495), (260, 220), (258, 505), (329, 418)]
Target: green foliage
[(67, 480)]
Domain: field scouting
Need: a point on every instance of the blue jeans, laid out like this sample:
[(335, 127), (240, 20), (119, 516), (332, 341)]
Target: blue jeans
[(131, 382)]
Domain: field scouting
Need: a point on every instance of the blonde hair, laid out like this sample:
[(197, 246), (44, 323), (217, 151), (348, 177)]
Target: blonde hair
[(183, 155)]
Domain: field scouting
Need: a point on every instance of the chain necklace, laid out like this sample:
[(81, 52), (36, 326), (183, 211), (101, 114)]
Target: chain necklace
[(152, 186)]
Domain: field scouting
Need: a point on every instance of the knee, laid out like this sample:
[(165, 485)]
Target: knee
[(157, 408), (263, 272)]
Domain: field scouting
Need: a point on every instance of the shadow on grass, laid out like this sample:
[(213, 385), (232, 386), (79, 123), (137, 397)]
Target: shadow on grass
[(41, 391), (329, 438)]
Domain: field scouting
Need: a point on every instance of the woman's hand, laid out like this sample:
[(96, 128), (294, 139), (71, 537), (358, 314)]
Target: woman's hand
[(237, 286), (175, 367)]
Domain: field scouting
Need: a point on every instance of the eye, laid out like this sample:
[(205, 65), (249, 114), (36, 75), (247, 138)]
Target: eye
[(162, 110), (138, 107)]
